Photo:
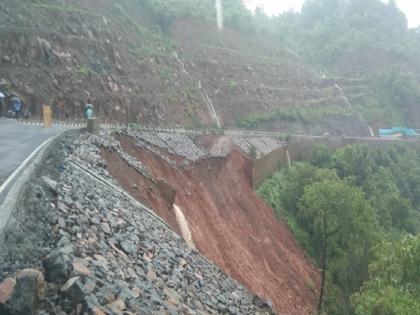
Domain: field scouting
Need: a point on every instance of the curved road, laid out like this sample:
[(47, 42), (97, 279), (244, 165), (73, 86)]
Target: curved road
[(17, 142)]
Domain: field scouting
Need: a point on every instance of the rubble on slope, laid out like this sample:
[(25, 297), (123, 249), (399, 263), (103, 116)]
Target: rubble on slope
[(228, 221), (101, 252)]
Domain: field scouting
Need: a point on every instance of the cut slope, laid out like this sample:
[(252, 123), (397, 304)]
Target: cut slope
[(117, 56), (256, 79), (232, 226)]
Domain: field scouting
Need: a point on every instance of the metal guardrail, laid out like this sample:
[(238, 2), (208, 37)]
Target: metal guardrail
[(195, 131), (26, 122), (157, 129), (165, 129)]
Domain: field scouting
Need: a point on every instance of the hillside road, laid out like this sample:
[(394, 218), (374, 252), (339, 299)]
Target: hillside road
[(17, 142)]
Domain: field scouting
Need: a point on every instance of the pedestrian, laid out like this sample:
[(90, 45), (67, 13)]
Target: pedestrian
[(17, 106), (88, 109), (2, 104)]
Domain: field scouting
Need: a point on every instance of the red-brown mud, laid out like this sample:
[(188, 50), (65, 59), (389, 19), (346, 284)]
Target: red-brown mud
[(230, 224)]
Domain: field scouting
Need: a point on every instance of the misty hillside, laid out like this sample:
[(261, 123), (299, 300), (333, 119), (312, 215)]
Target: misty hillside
[(336, 68)]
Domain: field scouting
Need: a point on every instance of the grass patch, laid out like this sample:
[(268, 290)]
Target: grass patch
[(291, 114)]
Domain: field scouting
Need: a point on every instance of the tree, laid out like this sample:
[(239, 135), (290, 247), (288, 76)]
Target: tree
[(397, 89), (321, 156), (341, 222), (394, 284)]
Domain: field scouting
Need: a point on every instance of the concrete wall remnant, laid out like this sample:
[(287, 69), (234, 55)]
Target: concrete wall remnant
[(267, 165)]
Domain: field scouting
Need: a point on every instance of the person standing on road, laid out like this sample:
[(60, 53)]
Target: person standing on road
[(2, 104), (88, 109), (17, 106)]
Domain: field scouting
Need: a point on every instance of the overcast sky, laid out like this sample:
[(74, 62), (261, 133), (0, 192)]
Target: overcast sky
[(411, 8)]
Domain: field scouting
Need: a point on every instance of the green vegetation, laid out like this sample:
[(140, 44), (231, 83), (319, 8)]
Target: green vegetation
[(369, 36), (394, 93), (394, 285), (165, 72), (305, 115), (325, 33), (354, 211), (165, 12), (328, 29), (84, 71)]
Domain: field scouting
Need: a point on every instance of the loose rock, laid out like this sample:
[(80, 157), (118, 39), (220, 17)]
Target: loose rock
[(58, 267)]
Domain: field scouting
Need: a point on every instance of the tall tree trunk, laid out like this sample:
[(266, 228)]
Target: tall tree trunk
[(324, 267)]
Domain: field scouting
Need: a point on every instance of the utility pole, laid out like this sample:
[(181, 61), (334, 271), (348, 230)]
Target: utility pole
[(219, 13)]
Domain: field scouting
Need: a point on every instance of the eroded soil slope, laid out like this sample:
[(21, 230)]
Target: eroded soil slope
[(230, 224), (96, 251)]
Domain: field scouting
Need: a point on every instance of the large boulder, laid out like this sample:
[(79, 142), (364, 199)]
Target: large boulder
[(21, 296), (73, 292), (58, 267)]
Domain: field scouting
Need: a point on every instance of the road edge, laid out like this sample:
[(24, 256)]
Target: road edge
[(15, 185)]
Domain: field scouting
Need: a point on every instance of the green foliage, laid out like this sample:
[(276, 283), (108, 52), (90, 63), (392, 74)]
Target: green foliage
[(341, 222), (232, 83), (83, 70), (328, 29), (372, 194), (165, 73), (321, 156), (390, 178), (304, 115), (396, 89), (394, 284), (165, 12)]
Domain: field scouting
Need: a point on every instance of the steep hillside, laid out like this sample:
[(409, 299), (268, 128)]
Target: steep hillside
[(62, 54), (382, 85), (192, 74), (97, 251), (228, 222), (367, 48), (255, 82)]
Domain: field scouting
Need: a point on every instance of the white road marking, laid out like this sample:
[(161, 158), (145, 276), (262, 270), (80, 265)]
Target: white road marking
[(24, 163)]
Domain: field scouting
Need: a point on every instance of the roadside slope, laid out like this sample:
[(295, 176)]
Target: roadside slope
[(229, 223), (96, 251)]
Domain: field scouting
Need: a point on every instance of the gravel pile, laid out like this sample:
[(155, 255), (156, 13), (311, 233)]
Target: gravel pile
[(99, 252)]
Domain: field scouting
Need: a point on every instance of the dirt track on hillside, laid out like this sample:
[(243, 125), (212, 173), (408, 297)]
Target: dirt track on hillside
[(230, 224)]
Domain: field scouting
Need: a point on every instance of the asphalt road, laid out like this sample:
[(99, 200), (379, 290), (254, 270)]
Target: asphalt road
[(17, 142)]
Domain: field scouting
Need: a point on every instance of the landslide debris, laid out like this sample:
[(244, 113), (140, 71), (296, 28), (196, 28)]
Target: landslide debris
[(228, 222), (95, 250)]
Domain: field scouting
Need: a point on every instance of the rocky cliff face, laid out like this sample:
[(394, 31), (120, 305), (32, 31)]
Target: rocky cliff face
[(59, 53)]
